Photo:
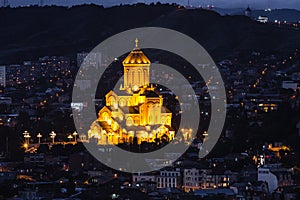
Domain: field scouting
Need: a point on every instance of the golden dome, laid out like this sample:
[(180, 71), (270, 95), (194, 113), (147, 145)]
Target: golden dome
[(136, 57)]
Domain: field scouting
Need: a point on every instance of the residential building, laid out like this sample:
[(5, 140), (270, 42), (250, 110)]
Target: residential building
[(169, 178), (191, 179)]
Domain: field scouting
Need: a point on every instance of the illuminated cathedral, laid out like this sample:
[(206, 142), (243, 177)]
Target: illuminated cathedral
[(135, 111)]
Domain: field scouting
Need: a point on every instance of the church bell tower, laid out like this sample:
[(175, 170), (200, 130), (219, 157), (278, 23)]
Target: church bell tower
[(136, 69)]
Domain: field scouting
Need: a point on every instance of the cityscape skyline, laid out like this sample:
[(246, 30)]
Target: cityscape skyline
[(256, 4), (174, 102)]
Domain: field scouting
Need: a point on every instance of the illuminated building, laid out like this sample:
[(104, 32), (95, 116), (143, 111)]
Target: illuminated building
[(263, 19), (191, 179), (135, 110), (169, 178)]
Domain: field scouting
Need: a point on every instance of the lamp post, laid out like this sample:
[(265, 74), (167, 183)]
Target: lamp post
[(39, 135), (75, 135), (52, 136), (26, 135), (187, 134), (70, 137)]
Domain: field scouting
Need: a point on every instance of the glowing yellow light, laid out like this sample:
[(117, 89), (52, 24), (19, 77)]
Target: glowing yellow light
[(135, 88)]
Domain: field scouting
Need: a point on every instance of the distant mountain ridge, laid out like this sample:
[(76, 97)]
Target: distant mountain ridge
[(31, 32), (289, 15)]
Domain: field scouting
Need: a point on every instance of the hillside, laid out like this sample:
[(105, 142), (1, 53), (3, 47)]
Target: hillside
[(33, 31), (289, 15)]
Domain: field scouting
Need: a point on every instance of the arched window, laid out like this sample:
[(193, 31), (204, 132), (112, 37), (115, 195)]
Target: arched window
[(132, 78), (129, 121), (111, 101), (168, 120), (163, 120), (139, 77), (122, 102), (104, 116), (136, 121), (145, 76), (152, 108)]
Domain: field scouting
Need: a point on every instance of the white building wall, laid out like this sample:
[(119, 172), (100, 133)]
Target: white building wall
[(169, 179), (264, 174), (191, 179), (142, 177), (289, 85)]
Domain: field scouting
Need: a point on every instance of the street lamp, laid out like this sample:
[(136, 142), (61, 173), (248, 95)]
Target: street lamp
[(75, 134), (39, 137), (52, 136), (26, 136), (70, 137)]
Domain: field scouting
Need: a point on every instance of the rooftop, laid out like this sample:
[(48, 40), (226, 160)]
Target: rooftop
[(136, 57)]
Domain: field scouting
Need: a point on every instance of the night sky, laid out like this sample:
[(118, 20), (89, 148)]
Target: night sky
[(256, 4)]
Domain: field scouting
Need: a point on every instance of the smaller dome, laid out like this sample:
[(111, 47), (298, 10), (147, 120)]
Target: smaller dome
[(136, 57)]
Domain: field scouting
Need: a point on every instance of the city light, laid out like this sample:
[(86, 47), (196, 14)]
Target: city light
[(27, 137), (70, 137), (39, 135), (75, 136), (52, 136)]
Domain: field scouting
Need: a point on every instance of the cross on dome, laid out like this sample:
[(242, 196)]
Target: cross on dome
[(136, 57), (136, 43)]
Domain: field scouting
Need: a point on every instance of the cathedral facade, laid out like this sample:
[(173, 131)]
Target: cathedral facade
[(135, 111)]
